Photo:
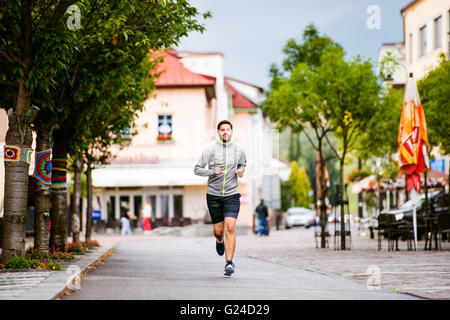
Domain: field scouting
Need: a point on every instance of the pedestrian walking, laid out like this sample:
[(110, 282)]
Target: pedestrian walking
[(146, 217), (262, 213), (125, 219), (226, 163), (126, 228)]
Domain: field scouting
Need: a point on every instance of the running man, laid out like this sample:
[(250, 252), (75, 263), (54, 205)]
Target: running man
[(226, 162)]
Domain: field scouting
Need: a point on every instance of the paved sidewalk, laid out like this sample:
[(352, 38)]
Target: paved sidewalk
[(48, 285), (180, 268), (422, 273)]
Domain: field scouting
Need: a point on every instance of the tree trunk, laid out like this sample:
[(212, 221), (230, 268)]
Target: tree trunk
[(341, 200), (59, 208), (323, 205), (19, 135), (89, 203), (76, 200), (42, 196)]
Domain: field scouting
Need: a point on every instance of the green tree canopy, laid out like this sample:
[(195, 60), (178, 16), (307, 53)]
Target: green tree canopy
[(434, 92), (291, 103)]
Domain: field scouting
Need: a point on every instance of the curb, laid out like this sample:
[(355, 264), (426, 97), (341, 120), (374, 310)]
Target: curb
[(54, 286)]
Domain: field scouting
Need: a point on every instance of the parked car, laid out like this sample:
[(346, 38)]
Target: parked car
[(437, 203), (299, 216)]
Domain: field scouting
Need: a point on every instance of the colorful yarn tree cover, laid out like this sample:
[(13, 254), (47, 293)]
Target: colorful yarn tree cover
[(43, 166), (59, 178), (11, 153)]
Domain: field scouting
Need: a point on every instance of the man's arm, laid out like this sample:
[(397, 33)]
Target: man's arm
[(242, 161), (199, 168)]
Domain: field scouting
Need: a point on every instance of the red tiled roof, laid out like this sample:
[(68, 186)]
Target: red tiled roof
[(174, 73), (239, 100)]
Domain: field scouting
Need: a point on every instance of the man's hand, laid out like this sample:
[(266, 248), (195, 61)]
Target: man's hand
[(240, 173), (218, 170)]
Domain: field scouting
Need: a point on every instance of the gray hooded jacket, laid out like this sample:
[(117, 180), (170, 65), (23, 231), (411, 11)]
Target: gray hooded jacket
[(228, 156)]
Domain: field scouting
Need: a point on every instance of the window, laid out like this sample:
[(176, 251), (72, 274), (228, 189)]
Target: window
[(423, 40), (410, 48), (164, 127), (438, 32)]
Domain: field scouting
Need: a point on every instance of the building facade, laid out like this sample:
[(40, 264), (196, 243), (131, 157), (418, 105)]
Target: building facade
[(426, 26), (178, 122)]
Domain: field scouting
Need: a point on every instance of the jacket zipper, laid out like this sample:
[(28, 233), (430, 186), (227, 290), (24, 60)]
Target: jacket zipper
[(226, 166)]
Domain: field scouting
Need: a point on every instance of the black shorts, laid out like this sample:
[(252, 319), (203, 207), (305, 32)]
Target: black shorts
[(221, 207)]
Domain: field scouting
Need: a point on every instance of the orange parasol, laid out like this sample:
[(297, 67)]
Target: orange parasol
[(412, 144), (412, 137)]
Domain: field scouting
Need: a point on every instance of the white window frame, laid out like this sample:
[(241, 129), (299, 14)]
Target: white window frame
[(437, 33), (423, 43)]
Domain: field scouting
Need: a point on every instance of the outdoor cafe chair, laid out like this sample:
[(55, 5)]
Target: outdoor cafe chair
[(432, 231), (399, 230), (393, 231), (383, 227), (443, 226)]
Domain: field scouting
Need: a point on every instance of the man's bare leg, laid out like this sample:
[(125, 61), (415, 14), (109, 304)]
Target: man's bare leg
[(218, 230), (230, 238)]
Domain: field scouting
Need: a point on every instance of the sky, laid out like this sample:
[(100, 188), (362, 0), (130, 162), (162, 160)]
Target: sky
[(252, 33)]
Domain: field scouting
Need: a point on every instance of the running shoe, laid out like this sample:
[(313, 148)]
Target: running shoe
[(229, 268), (220, 247)]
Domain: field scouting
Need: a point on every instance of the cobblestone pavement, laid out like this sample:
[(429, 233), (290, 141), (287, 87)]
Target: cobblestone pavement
[(422, 273), (13, 284)]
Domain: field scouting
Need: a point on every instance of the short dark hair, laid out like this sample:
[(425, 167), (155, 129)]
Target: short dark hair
[(224, 122)]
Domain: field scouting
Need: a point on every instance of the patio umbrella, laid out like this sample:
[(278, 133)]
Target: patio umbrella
[(412, 144), (364, 184), (369, 184)]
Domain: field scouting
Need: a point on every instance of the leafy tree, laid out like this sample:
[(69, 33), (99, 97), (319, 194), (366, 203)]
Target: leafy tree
[(287, 105), (34, 48), (59, 69), (351, 94), (434, 92)]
